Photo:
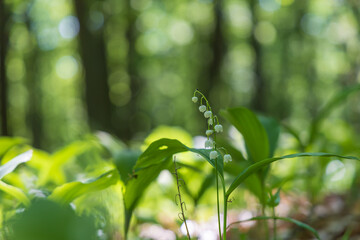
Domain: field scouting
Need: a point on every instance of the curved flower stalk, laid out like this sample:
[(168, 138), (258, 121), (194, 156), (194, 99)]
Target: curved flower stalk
[(213, 128)]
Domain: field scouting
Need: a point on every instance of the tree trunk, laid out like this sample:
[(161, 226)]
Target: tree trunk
[(258, 100), (129, 125), (217, 44), (34, 113), (4, 37), (92, 50)]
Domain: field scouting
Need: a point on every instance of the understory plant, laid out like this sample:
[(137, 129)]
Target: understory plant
[(260, 136), (131, 170)]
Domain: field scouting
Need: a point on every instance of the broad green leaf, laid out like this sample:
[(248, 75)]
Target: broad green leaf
[(206, 184), (257, 166), (58, 159), (254, 133), (205, 153), (326, 110), (235, 153), (8, 142), (168, 132), (111, 143), (141, 180), (291, 220), (153, 160), (15, 192), (158, 151), (47, 220), (252, 183), (137, 185), (164, 148), (125, 161), (272, 129), (156, 158), (124, 158), (12, 164), (239, 163), (67, 192)]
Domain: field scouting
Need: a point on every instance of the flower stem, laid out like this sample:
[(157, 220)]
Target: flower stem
[(182, 214), (225, 211), (274, 215), (217, 197)]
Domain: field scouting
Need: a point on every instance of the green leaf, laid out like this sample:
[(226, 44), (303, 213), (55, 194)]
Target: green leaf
[(164, 148), (254, 133), (8, 142), (252, 183), (137, 185), (15, 192), (111, 143), (235, 153), (54, 172), (141, 180), (272, 128), (158, 151), (13, 163), (257, 166), (205, 185), (326, 110), (125, 161), (152, 161), (67, 192), (205, 153), (291, 220), (156, 158), (124, 158)]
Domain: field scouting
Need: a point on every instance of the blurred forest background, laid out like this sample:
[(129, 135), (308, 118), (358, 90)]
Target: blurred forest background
[(72, 66)]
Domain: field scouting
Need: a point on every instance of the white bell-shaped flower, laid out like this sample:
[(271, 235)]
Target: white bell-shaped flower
[(227, 158), (207, 114), (213, 154), (209, 143), (218, 128), (209, 132), (202, 108)]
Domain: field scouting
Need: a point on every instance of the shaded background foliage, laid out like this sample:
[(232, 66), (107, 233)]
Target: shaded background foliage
[(70, 67)]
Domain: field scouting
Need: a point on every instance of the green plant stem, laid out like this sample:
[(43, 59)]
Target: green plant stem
[(225, 211), (217, 197), (263, 206), (294, 221), (180, 201), (274, 219)]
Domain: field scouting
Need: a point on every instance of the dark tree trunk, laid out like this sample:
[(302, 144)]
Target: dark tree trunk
[(33, 84), (217, 44), (34, 112), (128, 117), (259, 97), (92, 50), (4, 37)]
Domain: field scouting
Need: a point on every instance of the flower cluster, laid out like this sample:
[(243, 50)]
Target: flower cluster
[(212, 129)]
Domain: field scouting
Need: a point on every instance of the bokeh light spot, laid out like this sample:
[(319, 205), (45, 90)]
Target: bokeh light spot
[(67, 67), (140, 5), (270, 5), (336, 170), (265, 33), (15, 69), (120, 93), (180, 32), (69, 27), (48, 39)]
